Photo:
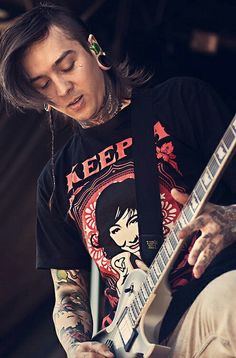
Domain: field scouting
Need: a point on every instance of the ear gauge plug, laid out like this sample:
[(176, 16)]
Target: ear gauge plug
[(95, 48), (103, 62), (93, 45)]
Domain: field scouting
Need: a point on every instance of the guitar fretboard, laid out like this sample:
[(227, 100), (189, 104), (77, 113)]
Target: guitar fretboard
[(171, 246)]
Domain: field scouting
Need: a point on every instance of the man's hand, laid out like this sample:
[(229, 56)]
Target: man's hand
[(90, 350), (218, 230)]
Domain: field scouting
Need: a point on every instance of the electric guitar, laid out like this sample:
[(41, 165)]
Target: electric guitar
[(146, 296)]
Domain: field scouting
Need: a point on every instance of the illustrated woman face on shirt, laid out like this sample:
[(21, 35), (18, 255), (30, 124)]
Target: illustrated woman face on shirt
[(117, 220), (125, 231)]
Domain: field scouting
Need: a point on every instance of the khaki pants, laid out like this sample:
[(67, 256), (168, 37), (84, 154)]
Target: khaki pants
[(208, 328)]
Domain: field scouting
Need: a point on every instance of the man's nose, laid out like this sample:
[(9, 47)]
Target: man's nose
[(63, 87)]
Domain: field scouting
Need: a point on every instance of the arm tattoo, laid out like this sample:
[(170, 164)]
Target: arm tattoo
[(72, 315)]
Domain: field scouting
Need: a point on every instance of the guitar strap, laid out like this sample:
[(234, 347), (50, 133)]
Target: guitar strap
[(146, 174)]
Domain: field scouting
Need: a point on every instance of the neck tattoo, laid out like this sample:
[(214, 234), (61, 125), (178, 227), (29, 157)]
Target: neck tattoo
[(103, 119), (110, 107)]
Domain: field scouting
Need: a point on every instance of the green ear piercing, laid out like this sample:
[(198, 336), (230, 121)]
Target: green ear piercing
[(95, 48)]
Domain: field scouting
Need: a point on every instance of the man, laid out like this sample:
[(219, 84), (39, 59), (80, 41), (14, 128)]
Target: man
[(48, 60)]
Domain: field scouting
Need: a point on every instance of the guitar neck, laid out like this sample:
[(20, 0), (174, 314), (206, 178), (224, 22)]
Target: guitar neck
[(172, 246)]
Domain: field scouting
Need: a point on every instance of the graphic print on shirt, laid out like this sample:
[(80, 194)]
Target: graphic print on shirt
[(106, 212), (108, 220)]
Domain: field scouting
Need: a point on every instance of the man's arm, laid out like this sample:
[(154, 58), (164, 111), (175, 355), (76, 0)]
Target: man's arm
[(72, 314)]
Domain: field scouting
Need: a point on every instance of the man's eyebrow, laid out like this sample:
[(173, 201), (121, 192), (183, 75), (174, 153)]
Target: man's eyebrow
[(57, 62), (63, 55)]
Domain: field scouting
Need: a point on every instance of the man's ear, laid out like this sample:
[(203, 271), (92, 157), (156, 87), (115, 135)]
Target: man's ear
[(100, 56)]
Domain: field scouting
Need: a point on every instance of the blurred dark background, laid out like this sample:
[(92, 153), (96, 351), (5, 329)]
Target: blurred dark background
[(173, 37)]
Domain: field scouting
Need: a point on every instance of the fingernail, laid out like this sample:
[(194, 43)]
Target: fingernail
[(197, 273), (182, 234)]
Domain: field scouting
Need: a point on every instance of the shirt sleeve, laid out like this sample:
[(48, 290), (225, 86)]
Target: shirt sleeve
[(58, 241)]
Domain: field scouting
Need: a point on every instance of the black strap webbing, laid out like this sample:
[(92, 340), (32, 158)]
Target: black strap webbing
[(146, 175)]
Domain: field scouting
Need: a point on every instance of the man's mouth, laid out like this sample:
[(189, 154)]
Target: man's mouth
[(76, 103)]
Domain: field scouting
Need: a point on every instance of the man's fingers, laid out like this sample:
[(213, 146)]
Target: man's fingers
[(205, 258), (197, 248), (101, 349), (197, 224), (179, 197), (94, 349)]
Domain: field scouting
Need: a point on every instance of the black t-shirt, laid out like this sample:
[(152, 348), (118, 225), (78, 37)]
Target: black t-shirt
[(94, 212)]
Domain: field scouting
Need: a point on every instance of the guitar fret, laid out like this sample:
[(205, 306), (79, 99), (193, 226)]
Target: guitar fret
[(182, 220), (133, 308), (140, 296), (139, 303), (150, 280), (164, 256), (134, 303), (156, 269), (168, 248), (194, 201), (228, 138), (153, 275), (172, 240), (148, 284), (199, 190), (132, 320), (144, 292), (206, 178), (151, 284), (187, 213), (221, 152), (160, 263), (164, 248), (176, 230), (147, 287), (213, 166)]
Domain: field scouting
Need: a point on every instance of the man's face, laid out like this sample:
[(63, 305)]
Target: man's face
[(69, 76), (125, 231)]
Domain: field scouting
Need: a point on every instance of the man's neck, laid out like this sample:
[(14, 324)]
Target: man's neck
[(98, 121)]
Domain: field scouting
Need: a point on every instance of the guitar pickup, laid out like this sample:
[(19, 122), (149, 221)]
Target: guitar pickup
[(127, 338)]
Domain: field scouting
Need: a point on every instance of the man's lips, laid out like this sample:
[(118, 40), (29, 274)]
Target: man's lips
[(76, 103)]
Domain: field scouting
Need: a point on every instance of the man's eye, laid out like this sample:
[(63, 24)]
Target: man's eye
[(69, 68), (44, 86)]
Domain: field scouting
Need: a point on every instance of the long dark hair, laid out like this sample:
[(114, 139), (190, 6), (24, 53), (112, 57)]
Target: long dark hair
[(110, 207), (34, 26)]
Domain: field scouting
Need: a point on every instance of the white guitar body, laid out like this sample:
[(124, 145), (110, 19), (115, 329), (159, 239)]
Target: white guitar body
[(145, 340)]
